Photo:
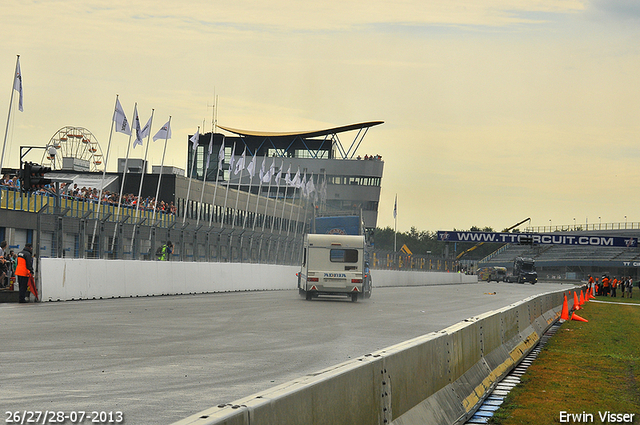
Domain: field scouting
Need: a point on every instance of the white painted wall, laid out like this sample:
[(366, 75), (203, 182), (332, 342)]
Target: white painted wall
[(64, 279)]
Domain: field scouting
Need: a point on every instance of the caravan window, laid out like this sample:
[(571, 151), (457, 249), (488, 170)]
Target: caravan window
[(344, 255)]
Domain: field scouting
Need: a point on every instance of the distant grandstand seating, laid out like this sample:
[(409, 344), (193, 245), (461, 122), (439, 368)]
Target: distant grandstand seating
[(581, 261)]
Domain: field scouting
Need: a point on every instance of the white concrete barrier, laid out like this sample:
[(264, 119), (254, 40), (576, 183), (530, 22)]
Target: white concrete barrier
[(438, 378), (64, 279)]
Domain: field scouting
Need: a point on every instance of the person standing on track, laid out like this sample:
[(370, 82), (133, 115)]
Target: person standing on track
[(24, 271)]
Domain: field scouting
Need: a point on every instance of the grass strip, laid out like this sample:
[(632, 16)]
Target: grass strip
[(586, 370)]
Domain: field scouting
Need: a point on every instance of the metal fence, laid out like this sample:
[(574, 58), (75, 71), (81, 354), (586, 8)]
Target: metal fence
[(75, 228)]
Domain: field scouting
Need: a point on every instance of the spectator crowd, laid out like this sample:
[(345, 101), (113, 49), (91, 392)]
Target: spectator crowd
[(89, 194)]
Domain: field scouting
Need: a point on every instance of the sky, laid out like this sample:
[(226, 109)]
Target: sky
[(494, 111)]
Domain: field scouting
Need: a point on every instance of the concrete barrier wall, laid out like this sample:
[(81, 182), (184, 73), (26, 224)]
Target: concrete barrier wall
[(398, 278), (438, 378), (71, 279)]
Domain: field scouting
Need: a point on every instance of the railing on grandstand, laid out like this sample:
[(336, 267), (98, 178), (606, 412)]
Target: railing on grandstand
[(584, 227), (12, 199)]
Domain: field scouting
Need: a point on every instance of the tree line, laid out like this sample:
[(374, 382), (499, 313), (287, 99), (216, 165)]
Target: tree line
[(424, 242)]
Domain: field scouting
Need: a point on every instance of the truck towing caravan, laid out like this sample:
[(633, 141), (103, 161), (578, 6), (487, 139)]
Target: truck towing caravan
[(335, 262)]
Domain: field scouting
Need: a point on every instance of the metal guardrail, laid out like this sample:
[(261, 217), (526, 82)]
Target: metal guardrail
[(15, 200)]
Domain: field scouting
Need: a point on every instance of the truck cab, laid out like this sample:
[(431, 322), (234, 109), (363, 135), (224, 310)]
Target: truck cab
[(334, 264), (524, 270)]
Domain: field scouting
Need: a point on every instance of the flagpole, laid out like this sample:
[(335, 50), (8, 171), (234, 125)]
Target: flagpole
[(266, 205), (204, 178), (193, 165), (104, 172), (284, 203), (255, 220), (6, 132), (215, 191), (395, 219), (144, 162), (124, 175), (155, 204), (226, 195), (246, 207), (235, 210)]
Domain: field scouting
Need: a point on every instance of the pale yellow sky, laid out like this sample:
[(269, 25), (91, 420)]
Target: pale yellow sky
[(494, 111)]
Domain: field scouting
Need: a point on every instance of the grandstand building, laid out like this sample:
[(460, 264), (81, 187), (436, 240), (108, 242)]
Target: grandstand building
[(343, 179), (576, 262)]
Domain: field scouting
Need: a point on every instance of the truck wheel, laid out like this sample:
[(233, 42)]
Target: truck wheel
[(354, 297)]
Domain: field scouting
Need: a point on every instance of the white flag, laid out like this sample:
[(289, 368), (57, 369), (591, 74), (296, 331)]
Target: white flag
[(122, 125), (146, 129), (221, 156), (17, 83), (295, 182), (310, 186), (251, 168), (287, 177), (279, 174), (136, 125), (240, 162), (261, 174), (195, 139), (206, 167), (269, 174), (164, 132)]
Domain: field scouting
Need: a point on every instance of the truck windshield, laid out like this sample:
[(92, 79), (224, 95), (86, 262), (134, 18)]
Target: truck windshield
[(527, 267), (344, 256)]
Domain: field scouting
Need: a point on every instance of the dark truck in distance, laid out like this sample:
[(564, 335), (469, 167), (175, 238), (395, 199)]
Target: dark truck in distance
[(524, 270)]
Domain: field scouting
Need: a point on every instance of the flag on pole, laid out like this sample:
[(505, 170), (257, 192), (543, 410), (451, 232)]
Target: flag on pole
[(279, 176), (395, 207), (210, 151), (136, 125), (240, 162), (17, 83), (164, 132), (269, 174), (251, 168), (310, 186), (146, 129), (195, 139), (295, 182), (262, 172), (287, 177), (221, 156), (122, 125)]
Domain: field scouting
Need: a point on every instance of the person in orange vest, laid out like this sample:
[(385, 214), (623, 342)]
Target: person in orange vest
[(614, 286), (605, 286), (24, 270)]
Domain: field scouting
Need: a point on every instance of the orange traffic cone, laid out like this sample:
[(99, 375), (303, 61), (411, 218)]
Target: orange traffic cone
[(578, 318), (581, 298), (565, 309), (576, 303)]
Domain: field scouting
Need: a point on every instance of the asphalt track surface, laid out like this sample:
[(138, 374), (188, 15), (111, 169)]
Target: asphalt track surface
[(161, 359)]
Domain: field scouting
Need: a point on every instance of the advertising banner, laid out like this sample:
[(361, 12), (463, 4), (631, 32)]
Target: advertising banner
[(538, 238)]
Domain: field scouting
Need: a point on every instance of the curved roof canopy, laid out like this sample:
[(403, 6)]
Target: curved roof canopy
[(303, 134)]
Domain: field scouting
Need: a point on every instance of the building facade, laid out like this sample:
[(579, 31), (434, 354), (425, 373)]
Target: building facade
[(341, 179)]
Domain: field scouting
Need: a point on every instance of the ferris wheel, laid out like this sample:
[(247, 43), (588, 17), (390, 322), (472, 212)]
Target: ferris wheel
[(75, 144)]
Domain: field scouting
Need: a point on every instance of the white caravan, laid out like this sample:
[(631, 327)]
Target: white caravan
[(334, 265)]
